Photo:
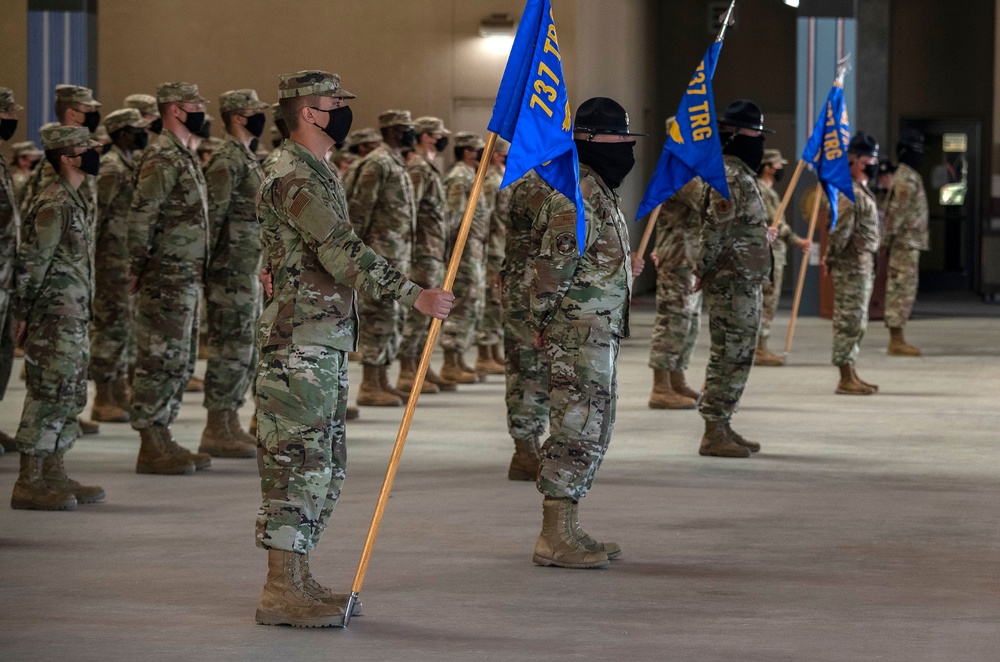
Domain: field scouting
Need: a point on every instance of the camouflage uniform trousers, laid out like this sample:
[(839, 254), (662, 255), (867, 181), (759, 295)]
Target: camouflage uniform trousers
[(6, 350), (459, 329), (852, 292), (426, 272), (901, 286), (490, 330), (380, 328), (678, 318), (112, 339), (734, 308), (166, 347), (232, 310), (583, 391), (772, 295), (527, 393), (301, 452), (56, 358)]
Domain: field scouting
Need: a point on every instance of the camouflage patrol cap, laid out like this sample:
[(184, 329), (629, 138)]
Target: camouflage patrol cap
[(55, 136), (7, 104), (102, 135), (466, 139), (76, 94), (362, 136), (311, 81), (394, 118), (276, 113), (124, 117), (773, 157), (25, 148), (423, 125), (240, 100), (144, 103), (179, 93)]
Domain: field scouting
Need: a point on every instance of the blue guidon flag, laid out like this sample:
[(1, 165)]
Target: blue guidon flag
[(532, 111), (826, 151), (692, 148)]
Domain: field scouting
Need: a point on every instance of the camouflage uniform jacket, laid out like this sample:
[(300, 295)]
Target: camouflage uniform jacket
[(270, 160), (786, 237), (734, 232), (19, 179), (316, 259), (592, 290), (382, 205), (500, 203), (431, 237), (457, 186), (168, 221), (9, 220), (527, 195), (857, 228), (114, 196), (43, 176), (55, 267), (234, 176), (678, 228), (907, 215)]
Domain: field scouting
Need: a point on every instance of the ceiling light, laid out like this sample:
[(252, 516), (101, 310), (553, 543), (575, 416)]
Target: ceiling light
[(498, 25)]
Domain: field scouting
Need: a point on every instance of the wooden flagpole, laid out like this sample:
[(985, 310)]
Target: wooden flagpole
[(788, 194), (802, 270), (650, 224)]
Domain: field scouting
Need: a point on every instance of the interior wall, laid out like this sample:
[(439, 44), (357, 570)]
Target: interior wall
[(14, 63)]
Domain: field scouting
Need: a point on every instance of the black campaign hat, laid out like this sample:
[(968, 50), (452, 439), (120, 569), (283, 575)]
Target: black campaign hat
[(602, 115), (912, 139), (863, 144), (744, 114)]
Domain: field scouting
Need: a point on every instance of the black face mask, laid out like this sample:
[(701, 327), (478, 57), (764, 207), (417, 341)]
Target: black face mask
[(7, 129), (871, 171), (779, 174), (254, 144), (749, 149), (276, 143), (441, 143), (338, 123), (255, 124), (140, 139), (612, 161), (105, 148), (92, 120), (479, 154), (911, 158), (90, 162), (205, 132), (195, 123), (156, 126), (408, 138)]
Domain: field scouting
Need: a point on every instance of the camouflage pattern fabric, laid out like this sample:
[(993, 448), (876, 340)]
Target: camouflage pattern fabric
[(310, 321), (678, 306), (383, 210), (787, 239), (9, 222), (43, 176), (459, 329), (901, 285), (850, 255), (490, 330), (112, 339), (734, 263), (580, 305), (167, 240), (19, 180), (429, 245), (906, 234), (232, 286), (527, 368)]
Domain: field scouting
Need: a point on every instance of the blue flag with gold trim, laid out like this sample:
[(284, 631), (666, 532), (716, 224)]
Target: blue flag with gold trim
[(692, 148), (826, 151), (532, 110)]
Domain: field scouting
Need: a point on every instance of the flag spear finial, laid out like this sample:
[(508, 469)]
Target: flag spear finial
[(726, 20)]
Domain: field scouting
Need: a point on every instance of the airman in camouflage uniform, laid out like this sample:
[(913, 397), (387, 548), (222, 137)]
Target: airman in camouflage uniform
[(734, 264), (470, 282), (527, 369), (906, 234), (112, 342), (850, 258), (429, 244), (167, 239), (383, 210), (361, 143), (308, 326), (55, 284), (146, 105), (279, 133), (580, 311), (489, 335), (771, 170), (9, 224), (24, 159), (232, 288)]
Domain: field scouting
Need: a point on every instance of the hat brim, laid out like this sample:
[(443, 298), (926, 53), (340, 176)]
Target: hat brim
[(13, 108), (744, 125), (341, 93), (607, 132)]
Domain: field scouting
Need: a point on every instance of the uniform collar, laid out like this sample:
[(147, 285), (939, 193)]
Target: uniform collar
[(301, 152)]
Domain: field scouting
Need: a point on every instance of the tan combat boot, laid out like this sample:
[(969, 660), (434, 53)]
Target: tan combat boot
[(485, 365), (199, 460), (898, 345), (370, 394), (195, 385), (285, 601), (680, 385), (736, 437), (155, 458), (408, 373), (121, 393), (526, 460), (854, 373), (105, 407), (31, 492), (252, 428), (851, 385), (8, 443), (453, 370), (496, 355), (480, 376), (439, 381), (612, 549), (236, 428), (218, 439), (87, 426), (54, 475), (664, 396), (322, 593), (717, 443), (352, 413), (766, 357), (556, 544)]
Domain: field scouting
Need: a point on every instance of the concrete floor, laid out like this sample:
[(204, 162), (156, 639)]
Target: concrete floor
[(867, 529)]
